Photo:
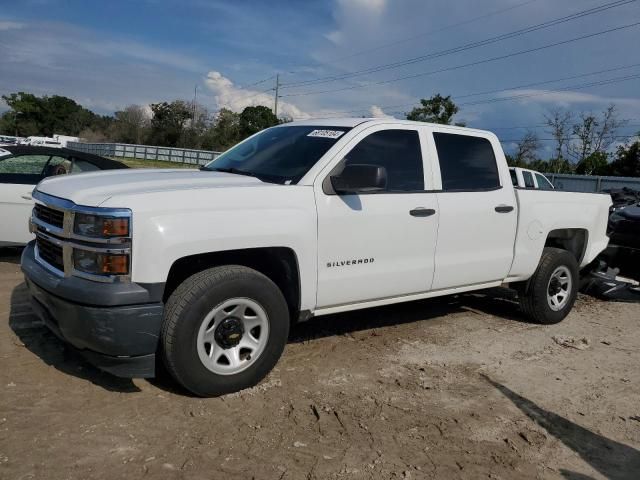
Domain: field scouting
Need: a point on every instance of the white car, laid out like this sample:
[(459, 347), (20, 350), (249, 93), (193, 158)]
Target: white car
[(207, 269), (525, 178), (21, 168)]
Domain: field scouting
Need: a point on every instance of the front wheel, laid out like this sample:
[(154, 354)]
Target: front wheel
[(224, 330), (551, 291)]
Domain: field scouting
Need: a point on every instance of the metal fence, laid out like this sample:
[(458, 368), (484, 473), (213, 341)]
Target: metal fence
[(591, 183), (146, 152), (562, 181)]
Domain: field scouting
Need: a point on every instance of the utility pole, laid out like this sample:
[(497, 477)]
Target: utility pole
[(275, 109), (195, 105)]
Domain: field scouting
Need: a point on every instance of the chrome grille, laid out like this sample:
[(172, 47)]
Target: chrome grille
[(50, 253), (49, 215)]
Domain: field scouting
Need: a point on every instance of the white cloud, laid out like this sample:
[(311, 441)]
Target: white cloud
[(372, 7), (377, 112), (7, 25), (568, 98), (228, 95)]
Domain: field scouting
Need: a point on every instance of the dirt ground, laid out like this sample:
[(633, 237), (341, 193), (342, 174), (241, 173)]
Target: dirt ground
[(459, 387)]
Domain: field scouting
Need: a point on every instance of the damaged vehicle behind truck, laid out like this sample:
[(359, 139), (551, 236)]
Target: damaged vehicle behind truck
[(206, 270)]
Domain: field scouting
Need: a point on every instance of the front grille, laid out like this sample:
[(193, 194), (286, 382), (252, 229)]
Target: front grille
[(50, 253), (49, 215)]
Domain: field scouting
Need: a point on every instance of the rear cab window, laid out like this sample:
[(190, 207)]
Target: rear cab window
[(467, 163), (528, 179), (543, 183)]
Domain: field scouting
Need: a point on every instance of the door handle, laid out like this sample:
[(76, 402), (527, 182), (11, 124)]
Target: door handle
[(422, 212), (504, 208), (26, 196)]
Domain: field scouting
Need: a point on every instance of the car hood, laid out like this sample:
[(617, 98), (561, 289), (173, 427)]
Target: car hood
[(95, 188)]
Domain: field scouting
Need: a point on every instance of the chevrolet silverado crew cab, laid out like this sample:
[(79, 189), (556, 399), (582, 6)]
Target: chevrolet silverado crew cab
[(205, 270)]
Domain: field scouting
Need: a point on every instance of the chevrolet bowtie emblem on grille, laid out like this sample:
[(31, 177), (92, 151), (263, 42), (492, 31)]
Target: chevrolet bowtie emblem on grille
[(349, 263)]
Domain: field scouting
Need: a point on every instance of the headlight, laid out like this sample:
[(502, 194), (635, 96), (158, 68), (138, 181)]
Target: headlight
[(98, 226), (99, 263)]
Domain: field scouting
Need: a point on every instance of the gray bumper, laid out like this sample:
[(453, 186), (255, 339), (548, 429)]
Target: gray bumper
[(105, 322)]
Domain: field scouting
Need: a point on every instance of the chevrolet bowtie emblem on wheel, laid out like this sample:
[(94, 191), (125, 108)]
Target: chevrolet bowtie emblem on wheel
[(348, 263)]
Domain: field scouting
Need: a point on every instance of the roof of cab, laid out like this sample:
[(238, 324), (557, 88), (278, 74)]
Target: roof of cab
[(354, 122)]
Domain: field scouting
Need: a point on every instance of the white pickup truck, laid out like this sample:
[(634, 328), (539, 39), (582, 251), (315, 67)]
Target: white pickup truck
[(206, 269)]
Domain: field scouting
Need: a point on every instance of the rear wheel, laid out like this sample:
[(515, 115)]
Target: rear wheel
[(224, 330), (551, 292)]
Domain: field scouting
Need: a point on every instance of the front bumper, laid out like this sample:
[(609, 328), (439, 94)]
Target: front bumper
[(99, 320)]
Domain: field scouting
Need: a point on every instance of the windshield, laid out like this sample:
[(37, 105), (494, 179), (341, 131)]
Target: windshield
[(281, 155)]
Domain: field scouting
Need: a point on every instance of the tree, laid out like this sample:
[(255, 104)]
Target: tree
[(33, 115), (254, 119), (593, 135), (559, 123), (596, 163), (130, 125), (168, 122), (224, 133), (627, 162), (526, 150), (437, 109)]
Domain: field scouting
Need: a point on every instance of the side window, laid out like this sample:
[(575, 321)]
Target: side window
[(80, 166), (514, 177), (57, 166), (398, 151), (24, 164), (543, 183), (528, 179), (466, 163)]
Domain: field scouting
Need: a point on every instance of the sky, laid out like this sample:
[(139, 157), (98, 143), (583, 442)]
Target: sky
[(333, 57)]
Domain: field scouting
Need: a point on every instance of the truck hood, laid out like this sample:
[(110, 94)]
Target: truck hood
[(93, 189)]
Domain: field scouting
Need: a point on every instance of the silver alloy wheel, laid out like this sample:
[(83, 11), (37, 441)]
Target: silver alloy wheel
[(232, 336), (559, 288)]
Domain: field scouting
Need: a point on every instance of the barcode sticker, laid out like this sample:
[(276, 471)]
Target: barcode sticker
[(326, 133)]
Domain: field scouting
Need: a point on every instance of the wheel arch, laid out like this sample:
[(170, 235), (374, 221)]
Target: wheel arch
[(280, 264), (573, 240)]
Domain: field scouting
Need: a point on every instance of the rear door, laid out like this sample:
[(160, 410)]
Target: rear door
[(378, 245), (478, 214)]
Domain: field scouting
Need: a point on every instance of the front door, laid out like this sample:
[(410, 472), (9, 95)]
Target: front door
[(378, 245)]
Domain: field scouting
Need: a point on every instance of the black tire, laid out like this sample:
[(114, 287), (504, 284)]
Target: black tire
[(185, 311), (534, 296)]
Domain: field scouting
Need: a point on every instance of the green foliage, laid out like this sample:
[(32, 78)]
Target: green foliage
[(437, 109), (33, 115), (627, 162), (594, 164), (254, 119), (168, 122), (225, 131)]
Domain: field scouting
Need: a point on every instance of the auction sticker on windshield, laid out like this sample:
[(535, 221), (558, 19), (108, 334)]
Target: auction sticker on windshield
[(326, 133)]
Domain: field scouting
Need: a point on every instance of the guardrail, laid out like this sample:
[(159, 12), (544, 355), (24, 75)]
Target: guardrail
[(591, 183), (146, 152)]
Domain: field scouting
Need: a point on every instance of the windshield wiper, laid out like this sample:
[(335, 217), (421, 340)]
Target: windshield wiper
[(235, 171)]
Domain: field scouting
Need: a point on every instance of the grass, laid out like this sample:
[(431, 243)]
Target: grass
[(139, 163)]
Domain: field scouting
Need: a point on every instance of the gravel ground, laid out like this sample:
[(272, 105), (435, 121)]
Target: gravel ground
[(459, 387)]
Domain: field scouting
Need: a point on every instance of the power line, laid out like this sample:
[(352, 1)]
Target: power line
[(259, 82), (461, 48), (515, 140), (532, 84), (551, 92), (465, 65), (422, 35)]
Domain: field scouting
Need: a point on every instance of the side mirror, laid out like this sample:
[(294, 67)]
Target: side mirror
[(360, 178)]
